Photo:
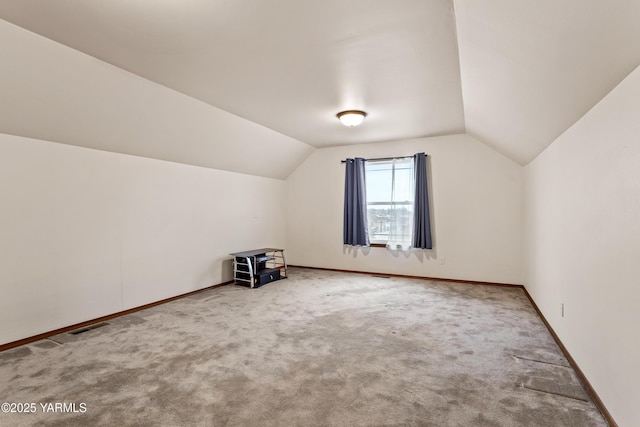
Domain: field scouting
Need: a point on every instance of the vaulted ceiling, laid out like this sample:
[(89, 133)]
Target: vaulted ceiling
[(514, 74)]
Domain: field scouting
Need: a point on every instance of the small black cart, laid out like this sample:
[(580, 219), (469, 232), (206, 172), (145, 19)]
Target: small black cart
[(259, 266)]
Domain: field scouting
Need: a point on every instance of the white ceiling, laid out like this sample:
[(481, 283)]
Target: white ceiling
[(530, 69), (513, 73)]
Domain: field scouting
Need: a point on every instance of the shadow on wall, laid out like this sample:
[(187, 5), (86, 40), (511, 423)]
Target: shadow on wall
[(353, 250), (225, 266), (421, 255), (226, 273)]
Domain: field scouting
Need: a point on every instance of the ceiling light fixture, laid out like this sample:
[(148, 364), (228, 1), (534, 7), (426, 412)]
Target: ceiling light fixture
[(351, 117)]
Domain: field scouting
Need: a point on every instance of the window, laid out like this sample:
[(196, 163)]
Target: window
[(381, 206), (390, 201)]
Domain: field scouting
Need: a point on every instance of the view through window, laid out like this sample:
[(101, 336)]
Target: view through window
[(390, 194)]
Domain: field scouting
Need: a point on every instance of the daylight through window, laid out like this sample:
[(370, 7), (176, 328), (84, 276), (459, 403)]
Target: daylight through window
[(390, 196)]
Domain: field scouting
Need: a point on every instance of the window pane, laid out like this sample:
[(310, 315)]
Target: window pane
[(403, 183), (390, 200), (379, 217), (378, 178)]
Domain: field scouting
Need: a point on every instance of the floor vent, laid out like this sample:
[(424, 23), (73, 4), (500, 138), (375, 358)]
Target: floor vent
[(551, 377), (88, 328), (380, 276), (541, 361), (571, 391)]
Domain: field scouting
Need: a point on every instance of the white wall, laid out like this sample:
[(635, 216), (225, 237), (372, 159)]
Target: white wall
[(476, 211), (582, 234), (86, 233)]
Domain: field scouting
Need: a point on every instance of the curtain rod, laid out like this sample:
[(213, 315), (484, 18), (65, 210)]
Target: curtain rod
[(380, 158)]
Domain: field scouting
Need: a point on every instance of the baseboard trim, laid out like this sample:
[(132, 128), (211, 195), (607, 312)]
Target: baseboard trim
[(44, 335), (585, 382), (405, 276)]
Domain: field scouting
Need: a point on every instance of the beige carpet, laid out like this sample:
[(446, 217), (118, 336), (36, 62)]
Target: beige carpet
[(317, 349)]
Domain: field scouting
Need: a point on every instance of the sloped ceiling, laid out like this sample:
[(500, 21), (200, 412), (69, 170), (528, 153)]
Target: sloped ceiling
[(54, 93), (530, 69), (514, 74)]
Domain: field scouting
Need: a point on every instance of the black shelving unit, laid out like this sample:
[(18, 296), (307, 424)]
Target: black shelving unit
[(259, 266)]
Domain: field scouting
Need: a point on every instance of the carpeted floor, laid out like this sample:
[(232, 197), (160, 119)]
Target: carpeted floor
[(317, 349)]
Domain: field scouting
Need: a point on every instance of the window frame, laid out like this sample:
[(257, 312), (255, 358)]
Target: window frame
[(378, 243)]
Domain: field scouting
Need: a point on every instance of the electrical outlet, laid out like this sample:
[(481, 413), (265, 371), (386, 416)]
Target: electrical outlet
[(441, 260)]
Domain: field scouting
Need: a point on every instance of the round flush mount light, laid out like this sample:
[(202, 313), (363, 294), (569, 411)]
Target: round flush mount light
[(351, 117)]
